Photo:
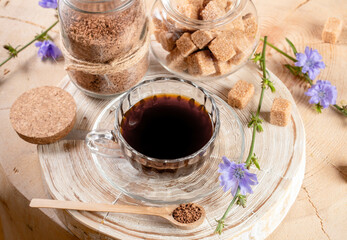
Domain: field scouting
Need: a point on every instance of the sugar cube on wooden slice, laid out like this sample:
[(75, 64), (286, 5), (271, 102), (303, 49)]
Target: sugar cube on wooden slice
[(240, 94), (176, 61), (280, 112), (201, 63), (222, 47), (332, 30), (186, 45), (201, 38), (212, 11)]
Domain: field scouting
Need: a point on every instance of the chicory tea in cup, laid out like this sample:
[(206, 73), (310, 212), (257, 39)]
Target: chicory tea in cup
[(167, 126), (164, 127)]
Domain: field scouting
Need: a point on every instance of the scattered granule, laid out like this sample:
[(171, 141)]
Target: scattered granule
[(332, 30), (201, 63), (250, 25), (212, 11), (186, 45), (189, 10), (222, 67), (6, 71), (176, 61), (222, 48), (168, 40), (201, 38), (240, 94), (187, 213), (280, 112)]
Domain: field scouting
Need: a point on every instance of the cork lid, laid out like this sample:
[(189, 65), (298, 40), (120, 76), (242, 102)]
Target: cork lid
[(43, 115)]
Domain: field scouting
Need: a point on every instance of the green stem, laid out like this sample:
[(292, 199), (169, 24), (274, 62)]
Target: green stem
[(279, 50), (220, 225), (340, 109), (28, 44), (263, 64), (231, 204)]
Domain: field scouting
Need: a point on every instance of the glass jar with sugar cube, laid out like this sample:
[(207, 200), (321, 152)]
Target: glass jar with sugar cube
[(204, 39)]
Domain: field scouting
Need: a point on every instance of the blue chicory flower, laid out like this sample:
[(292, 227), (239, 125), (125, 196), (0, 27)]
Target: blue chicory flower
[(48, 3), (323, 93), (47, 49), (310, 61), (236, 175)]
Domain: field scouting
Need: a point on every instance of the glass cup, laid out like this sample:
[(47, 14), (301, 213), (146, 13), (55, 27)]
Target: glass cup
[(99, 141)]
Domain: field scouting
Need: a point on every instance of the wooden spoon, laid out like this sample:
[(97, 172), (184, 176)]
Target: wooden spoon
[(164, 212)]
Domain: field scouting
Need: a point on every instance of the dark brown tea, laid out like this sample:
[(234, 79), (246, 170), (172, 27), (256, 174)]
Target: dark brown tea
[(167, 126)]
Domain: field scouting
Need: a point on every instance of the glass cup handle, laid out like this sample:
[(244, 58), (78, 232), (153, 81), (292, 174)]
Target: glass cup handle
[(98, 142)]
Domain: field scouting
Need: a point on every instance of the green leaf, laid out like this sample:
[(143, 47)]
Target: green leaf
[(42, 37), (271, 86), (254, 160), (241, 200), (318, 108), (256, 58), (11, 50), (259, 128), (292, 46)]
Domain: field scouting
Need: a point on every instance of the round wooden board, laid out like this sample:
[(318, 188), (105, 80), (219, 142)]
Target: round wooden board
[(70, 174)]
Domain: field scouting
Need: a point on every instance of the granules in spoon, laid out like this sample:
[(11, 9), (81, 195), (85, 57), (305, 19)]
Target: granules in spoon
[(187, 213)]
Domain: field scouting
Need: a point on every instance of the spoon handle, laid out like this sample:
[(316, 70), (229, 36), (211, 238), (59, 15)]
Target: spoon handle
[(98, 207)]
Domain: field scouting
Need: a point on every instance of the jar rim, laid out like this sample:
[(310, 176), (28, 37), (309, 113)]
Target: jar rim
[(234, 12), (124, 5)]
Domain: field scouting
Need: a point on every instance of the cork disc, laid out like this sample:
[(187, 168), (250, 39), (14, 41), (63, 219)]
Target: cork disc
[(43, 115)]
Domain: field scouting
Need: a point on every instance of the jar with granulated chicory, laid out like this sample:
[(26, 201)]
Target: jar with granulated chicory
[(105, 44)]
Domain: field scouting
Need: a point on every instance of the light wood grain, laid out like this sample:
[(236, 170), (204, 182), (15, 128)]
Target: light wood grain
[(280, 181), (320, 210)]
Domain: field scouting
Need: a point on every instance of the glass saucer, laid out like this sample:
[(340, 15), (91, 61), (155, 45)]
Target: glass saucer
[(201, 183)]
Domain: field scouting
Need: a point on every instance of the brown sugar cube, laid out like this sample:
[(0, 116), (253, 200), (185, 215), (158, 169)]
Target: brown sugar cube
[(201, 63), (201, 38), (280, 112), (237, 59), (221, 3), (186, 45), (157, 35), (240, 94), (222, 67), (222, 47), (212, 11), (189, 10), (168, 40), (332, 30), (237, 24), (176, 61), (240, 41), (250, 25)]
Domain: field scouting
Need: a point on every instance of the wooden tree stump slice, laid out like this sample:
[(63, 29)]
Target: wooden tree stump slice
[(70, 174), (43, 115)]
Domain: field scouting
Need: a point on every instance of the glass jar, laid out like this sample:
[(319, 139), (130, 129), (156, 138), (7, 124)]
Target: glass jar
[(105, 44), (204, 39)]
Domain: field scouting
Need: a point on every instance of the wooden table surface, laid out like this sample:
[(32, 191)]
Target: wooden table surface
[(320, 211)]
